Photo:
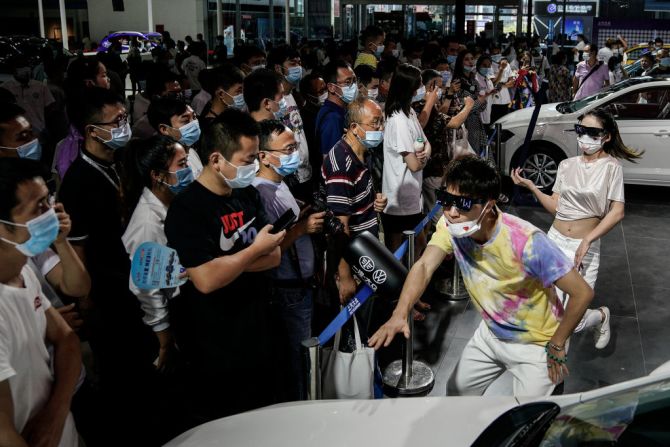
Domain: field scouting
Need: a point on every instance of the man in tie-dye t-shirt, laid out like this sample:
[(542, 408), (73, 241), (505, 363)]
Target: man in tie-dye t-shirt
[(509, 268)]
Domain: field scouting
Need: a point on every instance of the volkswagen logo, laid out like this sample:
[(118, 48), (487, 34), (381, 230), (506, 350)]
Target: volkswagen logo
[(379, 276), (366, 263), (551, 8)]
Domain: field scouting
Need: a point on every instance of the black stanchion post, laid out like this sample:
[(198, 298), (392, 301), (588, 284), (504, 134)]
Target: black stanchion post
[(499, 156), (312, 361)]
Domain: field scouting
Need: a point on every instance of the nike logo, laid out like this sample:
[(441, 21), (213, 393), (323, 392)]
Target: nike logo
[(227, 243)]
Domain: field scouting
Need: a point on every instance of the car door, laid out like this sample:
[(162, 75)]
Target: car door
[(643, 116)]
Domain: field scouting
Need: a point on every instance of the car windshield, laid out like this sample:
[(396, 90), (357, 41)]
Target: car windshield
[(573, 106), (632, 417)]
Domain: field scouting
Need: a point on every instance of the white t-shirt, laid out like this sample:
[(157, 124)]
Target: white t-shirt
[(401, 186), (194, 162), (485, 86), (294, 121), (24, 359), (503, 96), (579, 47)]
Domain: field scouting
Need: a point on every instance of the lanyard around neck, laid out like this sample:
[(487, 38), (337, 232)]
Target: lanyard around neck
[(100, 169)]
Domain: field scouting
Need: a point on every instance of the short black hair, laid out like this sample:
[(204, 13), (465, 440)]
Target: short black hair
[(267, 129), (648, 56), (370, 34), (248, 51), (260, 84), (225, 76), (429, 74), (330, 71), (157, 76), (280, 54), (306, 84), (473, 177), (8, 112), (94, 101), (163, 108), (223, 134), (13, 172), (365, 73)]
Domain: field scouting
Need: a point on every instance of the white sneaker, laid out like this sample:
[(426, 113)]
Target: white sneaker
[(602, 334)]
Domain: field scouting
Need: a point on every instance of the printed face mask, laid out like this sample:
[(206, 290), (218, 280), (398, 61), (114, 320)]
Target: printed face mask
[(465, 229), (43, 231)]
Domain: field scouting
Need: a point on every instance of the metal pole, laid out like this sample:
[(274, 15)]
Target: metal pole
[(238, 20), (272, 20), (63, 25), (287, 21), (406, 376), (499, 158), (519, 18), (563, 37), (219, 18), (312, 361), (457, 290), (305, 15), (150, 15), (530, 19), (40, 14)]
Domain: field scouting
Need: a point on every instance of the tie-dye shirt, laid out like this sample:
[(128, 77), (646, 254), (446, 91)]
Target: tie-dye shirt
[(510, 278)]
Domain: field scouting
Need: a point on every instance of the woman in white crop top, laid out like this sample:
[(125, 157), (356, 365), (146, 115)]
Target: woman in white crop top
[(588, 201)]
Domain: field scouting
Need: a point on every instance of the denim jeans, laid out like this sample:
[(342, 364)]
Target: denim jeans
[(294, 306)]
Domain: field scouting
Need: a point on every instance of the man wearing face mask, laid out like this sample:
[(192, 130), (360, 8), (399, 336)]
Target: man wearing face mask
[(590, 75), (222, 236), (264, 95), (252, 58), (33, 96), (313, 89), (227, 90), (342, 90), (174, 118), (286, 62), (293, 281), (524, 329), (17, 138), (368, 81), (346, 173), (34, 400), (91, 193), (372, 41)]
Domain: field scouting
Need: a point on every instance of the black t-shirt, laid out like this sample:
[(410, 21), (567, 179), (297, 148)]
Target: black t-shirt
[(223, 330)]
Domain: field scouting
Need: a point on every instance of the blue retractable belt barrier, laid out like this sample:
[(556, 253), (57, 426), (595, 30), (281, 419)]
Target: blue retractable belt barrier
[(365, 292)]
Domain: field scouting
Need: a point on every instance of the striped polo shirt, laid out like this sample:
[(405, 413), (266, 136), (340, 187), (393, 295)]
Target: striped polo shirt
[(349, 188)]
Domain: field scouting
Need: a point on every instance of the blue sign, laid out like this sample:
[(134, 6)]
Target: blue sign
[(551, 8)]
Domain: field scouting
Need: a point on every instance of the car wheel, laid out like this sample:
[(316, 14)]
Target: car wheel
[(541, 167)]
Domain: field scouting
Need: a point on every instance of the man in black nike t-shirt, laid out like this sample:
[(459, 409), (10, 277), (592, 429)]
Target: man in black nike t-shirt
[(221, 233)]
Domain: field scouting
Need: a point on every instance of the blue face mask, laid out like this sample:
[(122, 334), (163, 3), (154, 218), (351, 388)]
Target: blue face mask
[(184, 178), (190, 133), (294, 75), (665, 62), (496, 58), (486, 72), (245, 175), (349, 93), (32, 150), (373, 138), (283, 109), (238, 101), (43, 232), (120, 137), (451, 59), (419, 95), (379, 51), (288, 163)]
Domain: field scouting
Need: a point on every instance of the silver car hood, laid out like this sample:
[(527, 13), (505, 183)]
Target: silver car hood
[(521, 118)]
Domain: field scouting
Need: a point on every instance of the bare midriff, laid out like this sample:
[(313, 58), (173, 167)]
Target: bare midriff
[(576, 229)]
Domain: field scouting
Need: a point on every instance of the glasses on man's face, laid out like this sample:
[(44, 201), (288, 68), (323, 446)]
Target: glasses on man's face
[(593, 132), (376, 125), (287, 150), (347, 82), (120, 121), (461, 202)]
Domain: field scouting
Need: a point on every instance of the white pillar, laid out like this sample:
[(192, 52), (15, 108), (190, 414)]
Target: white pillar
[(287, 19), (63, 25), (219, 18), (150, 15), (40, 13)]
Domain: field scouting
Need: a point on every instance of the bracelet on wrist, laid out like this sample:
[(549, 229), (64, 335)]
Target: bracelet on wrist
[(555, 347)]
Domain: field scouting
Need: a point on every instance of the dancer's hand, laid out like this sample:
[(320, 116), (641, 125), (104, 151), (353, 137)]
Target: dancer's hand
[(581, 252)]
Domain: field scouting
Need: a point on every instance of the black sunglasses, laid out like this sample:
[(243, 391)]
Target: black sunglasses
[(594, 132), (462, 203)]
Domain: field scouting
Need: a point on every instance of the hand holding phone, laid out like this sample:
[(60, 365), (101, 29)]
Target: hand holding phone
[(284, 221)]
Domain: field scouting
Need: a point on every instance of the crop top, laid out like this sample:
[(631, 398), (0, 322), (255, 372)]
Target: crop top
[(586, 188)]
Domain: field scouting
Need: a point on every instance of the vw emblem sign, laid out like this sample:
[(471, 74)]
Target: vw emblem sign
[(379, 276), (366, 263)]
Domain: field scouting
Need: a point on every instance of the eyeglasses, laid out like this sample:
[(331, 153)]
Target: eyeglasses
[(590, 131), (121, 121), (375, 126), (347, 83), (461, 202), (287, 150)]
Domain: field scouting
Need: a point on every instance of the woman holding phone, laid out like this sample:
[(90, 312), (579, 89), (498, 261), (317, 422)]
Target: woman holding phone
[(587, 202)]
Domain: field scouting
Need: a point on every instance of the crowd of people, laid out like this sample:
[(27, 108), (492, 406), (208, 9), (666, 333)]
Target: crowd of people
[(204, 155)]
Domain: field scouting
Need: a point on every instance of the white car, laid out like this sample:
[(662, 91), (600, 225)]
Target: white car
[(632, 413), (641, 107)]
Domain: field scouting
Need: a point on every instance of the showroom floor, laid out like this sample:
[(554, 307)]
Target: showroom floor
[(633, 282)]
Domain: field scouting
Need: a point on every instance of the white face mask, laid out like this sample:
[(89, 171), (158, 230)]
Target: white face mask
[(373, 93), (589, 145), (322, 98), (465, 229)]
